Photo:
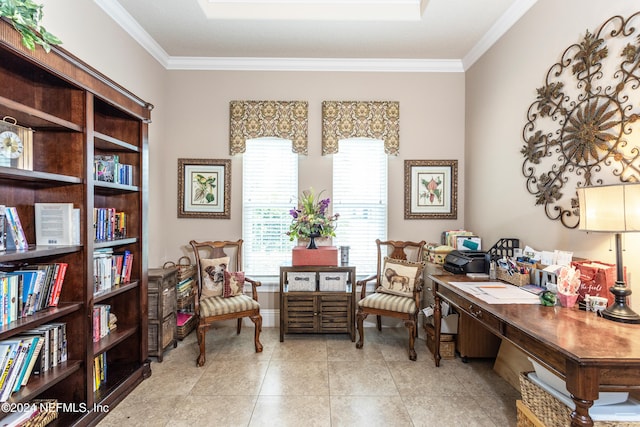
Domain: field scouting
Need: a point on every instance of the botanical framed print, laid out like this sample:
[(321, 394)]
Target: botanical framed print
[(204, 188), (430, 189)]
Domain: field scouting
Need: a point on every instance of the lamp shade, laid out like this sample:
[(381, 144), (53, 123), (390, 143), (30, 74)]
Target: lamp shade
[(610, 208)]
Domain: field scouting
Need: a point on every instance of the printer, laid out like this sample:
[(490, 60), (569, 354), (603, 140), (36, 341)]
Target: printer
[(462, 262)]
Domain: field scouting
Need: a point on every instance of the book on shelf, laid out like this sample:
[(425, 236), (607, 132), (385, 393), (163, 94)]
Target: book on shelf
[(32, 283), (107, 168), (9, 288), (30, 342), (54, 298), (11, 370), (104, 167), (99, 370), (54, 224), (101, 319), (3, 232), (16, 239), (109, 224), (102, 270), (35, 354)]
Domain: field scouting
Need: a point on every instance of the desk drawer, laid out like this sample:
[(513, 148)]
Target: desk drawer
[(490, 321)]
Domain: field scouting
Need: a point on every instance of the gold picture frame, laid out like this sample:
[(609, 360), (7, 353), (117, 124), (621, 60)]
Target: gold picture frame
[(204, 188), (430, 189)]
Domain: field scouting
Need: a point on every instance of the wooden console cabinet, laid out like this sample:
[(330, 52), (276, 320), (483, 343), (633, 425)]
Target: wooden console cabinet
[(317, 311), (162, 310)]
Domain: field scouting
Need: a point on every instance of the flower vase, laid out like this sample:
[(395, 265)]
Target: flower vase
[(312, 241), (567, 300)]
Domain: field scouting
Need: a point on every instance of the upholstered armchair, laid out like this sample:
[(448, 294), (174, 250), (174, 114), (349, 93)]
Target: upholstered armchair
[(221, 290), (397, 288)]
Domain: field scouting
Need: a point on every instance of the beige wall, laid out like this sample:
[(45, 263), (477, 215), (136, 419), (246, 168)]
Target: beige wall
[(431, 116), (500, 88)]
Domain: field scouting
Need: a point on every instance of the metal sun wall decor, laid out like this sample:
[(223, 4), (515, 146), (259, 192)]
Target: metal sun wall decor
[(579, 129)]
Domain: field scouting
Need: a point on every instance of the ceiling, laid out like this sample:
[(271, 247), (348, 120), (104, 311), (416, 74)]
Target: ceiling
[(450, 36)]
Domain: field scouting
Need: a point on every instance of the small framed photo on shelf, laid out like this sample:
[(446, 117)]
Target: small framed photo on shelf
[(204, 188), (430, 189)]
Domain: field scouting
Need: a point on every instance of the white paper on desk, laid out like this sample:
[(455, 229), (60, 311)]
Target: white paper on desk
[(509, 292), (497, 292)]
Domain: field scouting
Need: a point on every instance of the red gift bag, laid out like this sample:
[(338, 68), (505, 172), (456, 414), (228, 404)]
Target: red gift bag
[(596, 278)]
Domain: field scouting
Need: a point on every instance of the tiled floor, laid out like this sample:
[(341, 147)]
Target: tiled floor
[(315, 380)]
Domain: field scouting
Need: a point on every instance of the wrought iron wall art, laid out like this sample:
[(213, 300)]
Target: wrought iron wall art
[(582, 129)]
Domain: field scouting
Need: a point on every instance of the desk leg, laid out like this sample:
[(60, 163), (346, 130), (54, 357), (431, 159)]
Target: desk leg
[(583, 384), (437, 316)]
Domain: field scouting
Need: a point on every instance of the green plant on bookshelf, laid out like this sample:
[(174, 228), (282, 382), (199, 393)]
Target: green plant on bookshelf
[(25, 16)]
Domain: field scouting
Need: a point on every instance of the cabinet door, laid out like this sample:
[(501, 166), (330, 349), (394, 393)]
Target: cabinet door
[(300, 312), (474, 340), (335, 310)]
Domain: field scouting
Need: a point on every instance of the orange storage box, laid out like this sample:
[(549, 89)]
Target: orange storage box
[(324, 256)]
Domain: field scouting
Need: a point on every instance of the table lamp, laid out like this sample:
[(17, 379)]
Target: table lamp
[(614, 209)]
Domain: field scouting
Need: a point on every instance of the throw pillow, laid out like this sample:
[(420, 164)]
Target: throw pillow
[(212, 273), (399, 277), (233, 283)]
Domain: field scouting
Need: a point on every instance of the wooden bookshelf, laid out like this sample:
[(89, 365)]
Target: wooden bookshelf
[(76, 113)]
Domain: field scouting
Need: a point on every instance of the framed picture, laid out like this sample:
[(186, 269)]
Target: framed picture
[(204, 188), (430, 189)]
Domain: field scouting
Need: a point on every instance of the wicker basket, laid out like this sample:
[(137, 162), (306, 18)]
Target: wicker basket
[(333, 282), (299, 281), (185, 268), (551, 411), (188, 326), (515, 279)]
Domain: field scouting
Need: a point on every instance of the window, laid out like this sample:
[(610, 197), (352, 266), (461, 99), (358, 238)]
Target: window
[(269, 188), (360, 197)]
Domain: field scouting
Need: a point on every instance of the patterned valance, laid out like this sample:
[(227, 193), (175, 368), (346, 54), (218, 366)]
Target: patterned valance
[(260, 119), (357, 119)]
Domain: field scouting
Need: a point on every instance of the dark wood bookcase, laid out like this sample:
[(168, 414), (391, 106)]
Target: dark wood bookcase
[(76, 113)]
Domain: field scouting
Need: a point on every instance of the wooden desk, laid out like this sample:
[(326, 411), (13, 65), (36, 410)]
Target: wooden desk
[(590, 352)]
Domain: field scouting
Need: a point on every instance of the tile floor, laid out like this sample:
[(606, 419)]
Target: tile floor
[(315, 380)]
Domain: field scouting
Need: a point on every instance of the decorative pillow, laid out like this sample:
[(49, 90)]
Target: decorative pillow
[(233, 283), (399, 277), (213, 276)]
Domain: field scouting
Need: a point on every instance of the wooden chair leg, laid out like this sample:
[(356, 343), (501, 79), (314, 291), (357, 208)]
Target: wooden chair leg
[(411, 326), (361, 316), (239, 325), (257, 321), (379, 322), (201, 332)]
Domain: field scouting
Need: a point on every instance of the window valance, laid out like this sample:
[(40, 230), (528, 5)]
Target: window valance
[(360, 119), (260, 119)]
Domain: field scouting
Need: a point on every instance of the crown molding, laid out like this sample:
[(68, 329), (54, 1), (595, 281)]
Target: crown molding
[(121, 17), (497, 30), (114, 10), (316, 64)]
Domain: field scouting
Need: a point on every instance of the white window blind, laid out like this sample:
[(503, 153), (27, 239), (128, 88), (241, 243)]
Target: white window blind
[(269, 188), (360, 197)]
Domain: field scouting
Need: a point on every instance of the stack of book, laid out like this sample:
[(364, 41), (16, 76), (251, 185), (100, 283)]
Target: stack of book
[(13, 236), (109, 224), (107, 168), (30, 289), (33, 352), (111, 269), (38, 412), (99, 370), (102, 321)]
